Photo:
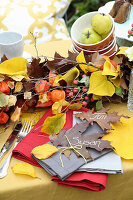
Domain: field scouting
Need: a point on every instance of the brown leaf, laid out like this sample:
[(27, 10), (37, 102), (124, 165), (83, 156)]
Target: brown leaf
[(97, 59), (123, 84), (67, 153), (16, 114), (10, 84), (102, 118), (18, 87), (4, 58), (74, 137)]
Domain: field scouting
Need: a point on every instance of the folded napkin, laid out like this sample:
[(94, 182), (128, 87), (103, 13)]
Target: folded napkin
[(84, 180)]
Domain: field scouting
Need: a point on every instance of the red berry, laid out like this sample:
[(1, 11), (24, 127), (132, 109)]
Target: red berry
[(86, 98), (84, 103), (93, 112), (92, 99), (6, 109), (67, 90), (132, 25), (84, 90), (78, 101), (71, 94), (83, 75), (75, 82), (75, 90), (79, 95), (129, 31)]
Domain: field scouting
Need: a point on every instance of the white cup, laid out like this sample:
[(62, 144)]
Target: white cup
[(11, 44)]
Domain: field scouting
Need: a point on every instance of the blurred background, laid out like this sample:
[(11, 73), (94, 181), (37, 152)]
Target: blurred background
[(78, 8)]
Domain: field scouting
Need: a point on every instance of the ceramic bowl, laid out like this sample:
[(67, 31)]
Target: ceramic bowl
[(84, 22), (102, 51)]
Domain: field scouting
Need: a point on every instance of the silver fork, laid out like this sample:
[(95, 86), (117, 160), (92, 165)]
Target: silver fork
[(23, 132)]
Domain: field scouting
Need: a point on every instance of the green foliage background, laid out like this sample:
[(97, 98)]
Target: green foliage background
[(78, 8)]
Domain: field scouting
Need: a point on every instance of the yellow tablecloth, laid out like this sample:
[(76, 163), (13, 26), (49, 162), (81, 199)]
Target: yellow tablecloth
[(22, 187)]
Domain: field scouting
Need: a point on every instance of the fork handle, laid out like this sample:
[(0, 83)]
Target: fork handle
[(5, 165)]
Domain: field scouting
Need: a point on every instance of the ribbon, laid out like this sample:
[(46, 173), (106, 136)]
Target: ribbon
[(75, 148)]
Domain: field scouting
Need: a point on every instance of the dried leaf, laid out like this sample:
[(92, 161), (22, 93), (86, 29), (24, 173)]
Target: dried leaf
[(18, 87), (43, 98), (16, 114), (121, 137), (122, 50), (44, 151), (74, 137), (24, 168), (14, 66), (75, 106), (102, 118), (3, 99), (17, 77), (97, 59), (27, 95), (67, 153), (54, 124), (57, 106), (10, 84), (12, 100), (2, 77), (99, 85)]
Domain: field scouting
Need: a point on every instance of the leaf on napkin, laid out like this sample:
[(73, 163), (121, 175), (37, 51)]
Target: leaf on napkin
[(75, 137), (75, 106), (10, 84), (99, 85), (54, 124), (24, 168), (44, 151), (3, 99), (12, 100), (102, 118), (18, 87), (67, 153), (57, 106), (121, 138), (14, 66), (16, 114)]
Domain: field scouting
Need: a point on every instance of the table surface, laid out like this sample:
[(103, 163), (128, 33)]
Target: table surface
[(20, 187)]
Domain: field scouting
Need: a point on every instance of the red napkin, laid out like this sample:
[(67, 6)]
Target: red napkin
[(82, 180)]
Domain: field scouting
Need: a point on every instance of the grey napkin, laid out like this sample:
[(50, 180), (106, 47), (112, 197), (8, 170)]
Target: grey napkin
[(53, 164)]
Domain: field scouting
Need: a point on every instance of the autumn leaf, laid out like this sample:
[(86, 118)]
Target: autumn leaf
[(14, 66), (24, 168), (99, 85), (43, 98), (27, 95), (84, 67), (122, 50), (121, 138), (17, 77), (10, 84), (54, 124), (97, 59), (18, 87), (102, 118), (57, 106), (109, 69), (75, 106), (44, 151), (3, 99), (74, 137)]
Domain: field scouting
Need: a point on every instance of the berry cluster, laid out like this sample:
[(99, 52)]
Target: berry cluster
[(78, 93), (130, 31)]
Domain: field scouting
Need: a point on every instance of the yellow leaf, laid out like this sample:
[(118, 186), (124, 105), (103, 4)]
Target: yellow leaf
[(121, 137), (16, 114), (109, 69), (116, 81), (54, 124), (57, 106), (85, 68), (10, 84), (14, 66), (70, 76), (18, 87), (56, 80), (44, 151), (122, 50), (12, 100), (24, 168), (75, 106), (96, 97), (99, 85)]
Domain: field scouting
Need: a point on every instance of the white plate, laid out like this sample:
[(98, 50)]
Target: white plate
[(121, 30)]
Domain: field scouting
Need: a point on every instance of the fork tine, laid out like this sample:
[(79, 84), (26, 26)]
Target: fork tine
[(28, 127), (24, 125)]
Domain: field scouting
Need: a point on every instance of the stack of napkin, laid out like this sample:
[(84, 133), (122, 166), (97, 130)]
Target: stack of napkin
[(65, 176)]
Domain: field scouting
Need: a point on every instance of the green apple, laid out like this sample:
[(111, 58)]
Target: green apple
[(102, 23), (89, 36)]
